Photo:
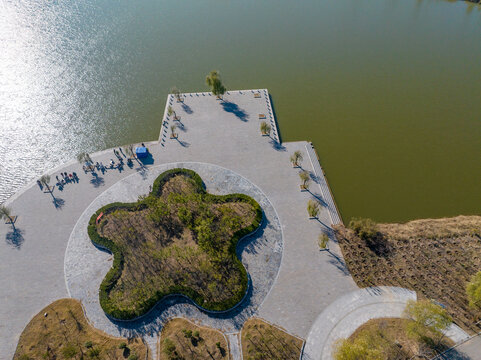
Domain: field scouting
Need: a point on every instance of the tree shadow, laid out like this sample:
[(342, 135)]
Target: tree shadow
[(275, 117), (338, 263), (181, 126), (277, 145), (58, 202), (236, 110), (183, 143), (318, 198), (187, 109), (15, 238), (453, 354), (96, 180), (143, 171)]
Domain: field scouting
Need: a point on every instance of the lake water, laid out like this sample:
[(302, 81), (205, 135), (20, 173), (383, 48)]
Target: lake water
[(387, 90)]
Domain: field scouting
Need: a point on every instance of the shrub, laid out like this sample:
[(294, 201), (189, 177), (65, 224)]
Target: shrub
[(473, 290), (169, 347), (93, 352), (364, 228), (88, 344), (426, 316), (133, 357), (122, 345), (69, 351)]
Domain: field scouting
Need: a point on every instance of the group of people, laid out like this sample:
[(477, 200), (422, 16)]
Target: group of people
[(66, 178)]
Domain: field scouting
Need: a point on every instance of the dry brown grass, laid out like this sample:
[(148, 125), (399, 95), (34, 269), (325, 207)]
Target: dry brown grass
[(64, 327), (435, 257), (390, 333), (262, 341), (196, 347)]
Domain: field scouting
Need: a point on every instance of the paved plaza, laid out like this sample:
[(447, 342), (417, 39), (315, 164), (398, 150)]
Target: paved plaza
[(222, 141)]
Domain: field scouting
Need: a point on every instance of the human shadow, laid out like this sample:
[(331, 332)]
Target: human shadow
[(187, 109), (15, 238), (236, 110), (96, 180)]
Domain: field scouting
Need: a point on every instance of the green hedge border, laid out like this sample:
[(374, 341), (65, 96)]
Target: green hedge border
[(114, 273)]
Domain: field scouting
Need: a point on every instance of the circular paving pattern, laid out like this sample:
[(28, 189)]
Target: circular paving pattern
[(261, 253)]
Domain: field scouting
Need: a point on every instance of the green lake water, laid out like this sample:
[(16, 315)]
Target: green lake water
[(389, 91)]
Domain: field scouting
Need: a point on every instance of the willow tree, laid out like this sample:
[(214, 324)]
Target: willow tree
[(176, 93), (84, 157), (170, 111), (313, 208), (45, 181), (427, 317), (6, 214), (265, 128), (214, 81), (296, 158), (305, 178)]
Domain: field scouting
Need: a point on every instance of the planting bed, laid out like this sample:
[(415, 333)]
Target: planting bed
[(60, 331), (436, 258), (177, 240)]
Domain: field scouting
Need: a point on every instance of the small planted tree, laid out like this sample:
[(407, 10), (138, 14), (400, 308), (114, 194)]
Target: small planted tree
[(313, 208), (473, 290), (129, 150), (265, 129), (296, 158), (323, 241), (45, 180), (6, 214), (176, 93), (173, 134), (305, 178), (170, 111), (214, 81), (427, 317), (84, 157), (366, 229)]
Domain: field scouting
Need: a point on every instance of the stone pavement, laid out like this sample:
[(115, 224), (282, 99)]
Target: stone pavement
[(261, 252), (225, 133)]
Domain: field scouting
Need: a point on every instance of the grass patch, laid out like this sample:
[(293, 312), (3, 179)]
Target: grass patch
[(387, 340), (262, 341), (177, 240), (181, 339), (65, 334), (434, 257)]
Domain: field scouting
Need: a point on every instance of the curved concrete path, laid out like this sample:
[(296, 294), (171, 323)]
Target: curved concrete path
[(341, 318), (261, 253)]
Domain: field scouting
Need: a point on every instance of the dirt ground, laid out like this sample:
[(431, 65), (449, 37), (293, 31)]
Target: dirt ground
[(64, 333), (434, 257), (262, 341), (191, 346)]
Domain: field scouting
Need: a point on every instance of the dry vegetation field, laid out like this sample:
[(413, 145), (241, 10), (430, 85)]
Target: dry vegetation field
[(181, 339), (389, 336), (181, 240), (262, 341), (65, 334), (435, 257)]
